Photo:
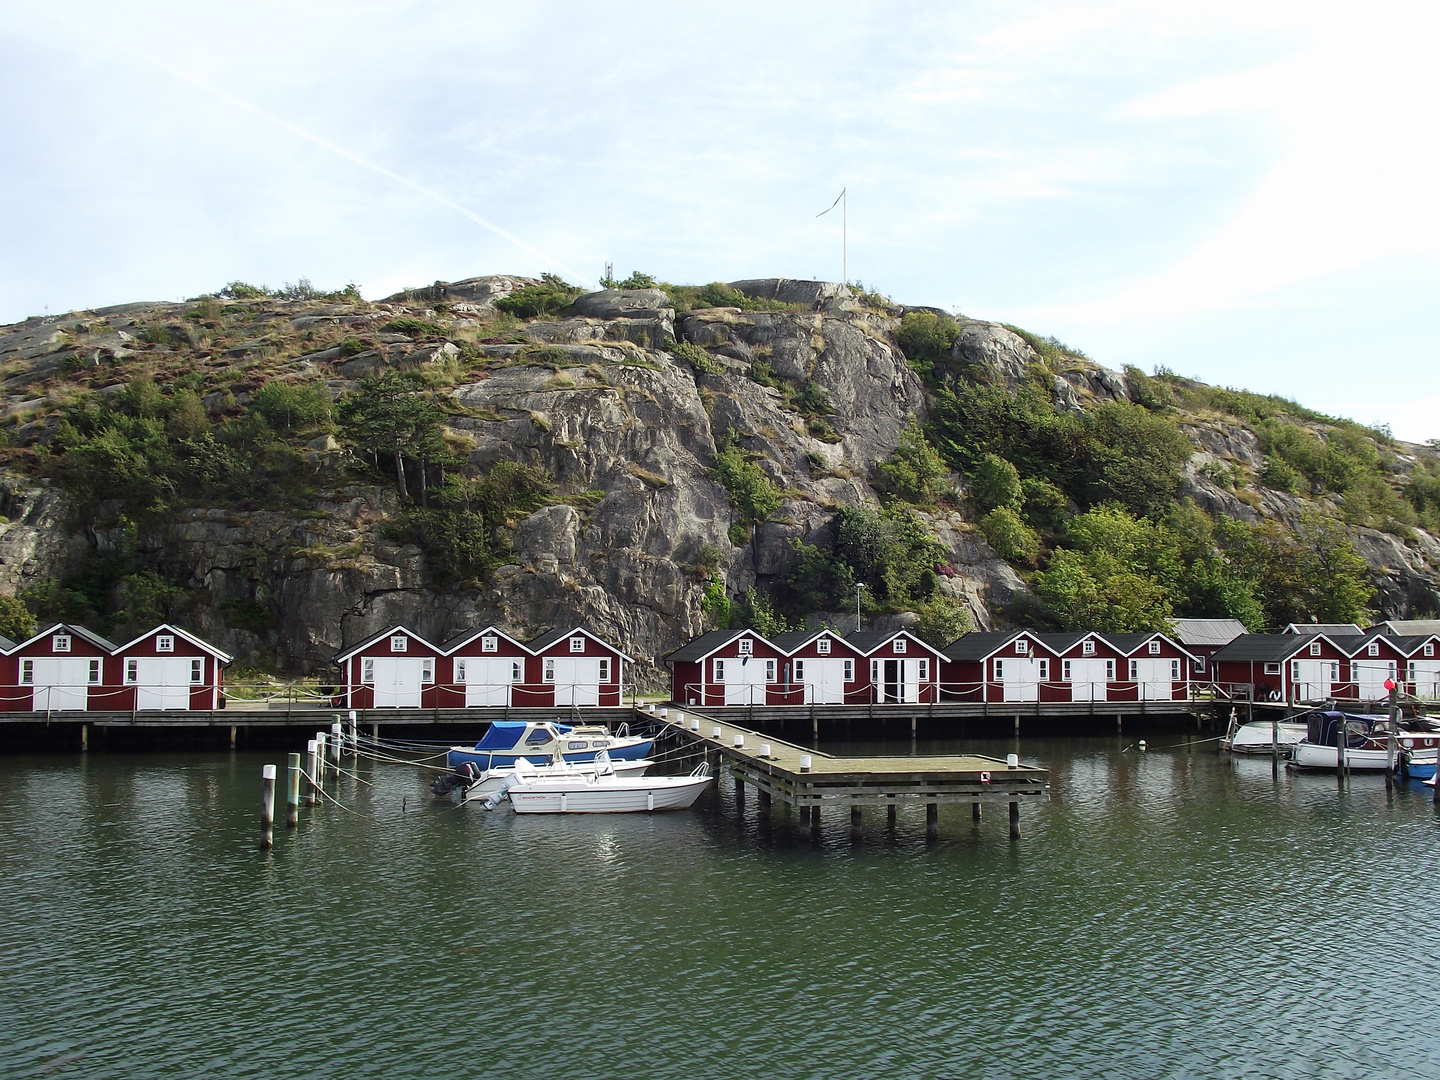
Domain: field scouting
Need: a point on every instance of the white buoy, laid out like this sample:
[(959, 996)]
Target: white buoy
[(1142, 745), (739, 741), (765, 750), (1012, 761), (804, 762)]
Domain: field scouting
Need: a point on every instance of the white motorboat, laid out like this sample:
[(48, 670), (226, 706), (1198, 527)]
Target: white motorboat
[(1367, 741), (469, 781), (1259, 737), (603, 791)]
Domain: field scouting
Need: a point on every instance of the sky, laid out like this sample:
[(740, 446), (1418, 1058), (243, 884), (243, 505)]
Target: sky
[(1240, 192)]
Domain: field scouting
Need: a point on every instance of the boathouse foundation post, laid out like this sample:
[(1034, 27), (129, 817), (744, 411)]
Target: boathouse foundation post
[(932, 821), (1014, 821), (890, 816), (975, 811), (855, 822), (267, 807)]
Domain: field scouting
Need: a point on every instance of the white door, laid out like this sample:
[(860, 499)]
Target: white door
[(488, 679), (1311, 680), (896, 681), (1425, 674), (1089, 679), (61, 682), (1370, 675), (745, 678), (162, 682), (1155, 677), (397, 682), (577, 680), (823, 681), (1019, 677)]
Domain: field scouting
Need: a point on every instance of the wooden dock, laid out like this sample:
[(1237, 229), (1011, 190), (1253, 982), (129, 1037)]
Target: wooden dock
[(814, 781)]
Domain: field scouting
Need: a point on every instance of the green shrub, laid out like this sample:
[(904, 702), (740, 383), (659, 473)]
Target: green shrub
[(926, 337), (292, 406), (996, 483), (942, 620), (815, 580), (716, 604), (416, 328), (16, 621), (696, 357), (1043, 505), (1012, 539), (915, 473), (1151, 393), (753, 495), (551, 295)]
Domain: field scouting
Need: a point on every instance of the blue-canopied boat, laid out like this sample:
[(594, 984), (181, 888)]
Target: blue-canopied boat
[(505, 741)]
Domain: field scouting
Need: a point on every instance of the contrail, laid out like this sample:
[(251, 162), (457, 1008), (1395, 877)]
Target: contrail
[(326, 144)]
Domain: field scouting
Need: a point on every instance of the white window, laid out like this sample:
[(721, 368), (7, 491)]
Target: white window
[(1272, 668), (1315, 648), (459, 670), (604, 669), (489, 643), (898, 645), (1087, 648), (719, 670), (1355, 670), (1134, 670), (1154, 648), (515, 675), (1109, 670), (999, 670), (60, 643), (924, 670), (799, 671), (27, 671), (823, 646), (1412, 669), (769, 670), (875, 672), (367, 670), (849, 670), (1335, 672), (164, 643), (1022, 647), (132, 671), (745, 647), (1199, 663), (94, 671), (427, 670), (549, 669), (1374, 649), (399, 643), (1295, 669), (1044, 669), (577, 644), (197, 670), (1430, 650), (1065, 670), (1174, 670)]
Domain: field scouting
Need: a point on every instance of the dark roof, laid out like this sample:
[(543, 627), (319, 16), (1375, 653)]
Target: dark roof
[(1127, 643), (477, 631), (702, 646), (539, 644), (1059, 643), (219, 654), (1353, 644), (373, 638), (978, 646), (6, 645), (792, 640), (1401, 627), (79, 631), (1269, 647), (1208, 631), (867, 641)]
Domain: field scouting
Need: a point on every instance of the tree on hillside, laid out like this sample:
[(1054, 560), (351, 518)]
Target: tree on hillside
[(388, 416)]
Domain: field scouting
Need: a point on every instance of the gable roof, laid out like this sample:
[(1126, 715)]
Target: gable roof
[(464, 638), (537, 645), (701, 647), (1268, 647), (6, 645), (373, 638), (79, 631), (793, 641), (867, 641), (1208, 631), (1402, 627), (981, 645), (220, 655), (1345, 629), (1129, 643)]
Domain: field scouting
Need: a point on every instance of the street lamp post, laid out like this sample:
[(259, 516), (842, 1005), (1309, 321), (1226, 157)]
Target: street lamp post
[(858, 587)]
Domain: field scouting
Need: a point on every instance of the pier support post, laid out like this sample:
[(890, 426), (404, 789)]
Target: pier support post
[(1014, 821), (855, 823), (375, 733), (1017, 727), (890, 817), (292, 792), (932, 821), (815, 822), (739, 793), (913, 721), (975, 811), (1119, 724), (764, 804), (232, 736), (267, 808), (84, 738)]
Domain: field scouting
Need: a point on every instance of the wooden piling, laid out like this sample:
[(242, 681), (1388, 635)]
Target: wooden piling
[(913, 721), (1014, 821), (890, 817), (764, 804), (932, 821), (739, 792), (232, 736), (1119, 724), (975, 811), (267, 807), (292, 792), (1017, 727), (815, 822), (84, 738), (311, 788), (855, 820)]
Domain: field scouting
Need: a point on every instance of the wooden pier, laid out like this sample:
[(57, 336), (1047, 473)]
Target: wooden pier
[(813, 781)]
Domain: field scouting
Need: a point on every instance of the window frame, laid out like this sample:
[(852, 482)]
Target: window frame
[(489, 643), (577, 643), (1087, 647), (165, 643), (367, 670), (399, 643), (61, 643), (197, 670), (822, 647), (549, 674), (604, 669)]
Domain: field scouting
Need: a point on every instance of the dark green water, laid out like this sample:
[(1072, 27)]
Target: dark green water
[(1174, 914)]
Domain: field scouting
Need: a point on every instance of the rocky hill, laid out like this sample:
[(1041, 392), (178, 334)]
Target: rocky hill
[(286, 472)]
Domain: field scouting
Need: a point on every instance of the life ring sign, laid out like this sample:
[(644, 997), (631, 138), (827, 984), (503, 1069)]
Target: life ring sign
[(984, 778)]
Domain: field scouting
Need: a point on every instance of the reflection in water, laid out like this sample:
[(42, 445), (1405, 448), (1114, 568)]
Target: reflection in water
[(1170, 913)]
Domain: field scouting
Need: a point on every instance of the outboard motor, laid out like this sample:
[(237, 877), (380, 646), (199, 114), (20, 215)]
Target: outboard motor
[(463, 776), (524, 772)]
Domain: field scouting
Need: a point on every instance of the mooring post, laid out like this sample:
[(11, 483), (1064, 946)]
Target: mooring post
[(310, 786), (1017, 727), (354, 737), (1119, 724), (975, 811), (292, 792), (337, 736), (815, 822), (267, 807), (932, 821), (739, 793), (855, 823), (913, 721), (1014, 821), (374, 733), (232, 736), (84, 738), (890, 817)]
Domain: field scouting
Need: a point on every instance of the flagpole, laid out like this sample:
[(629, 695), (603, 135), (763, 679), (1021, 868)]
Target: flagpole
[(843, 201)]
